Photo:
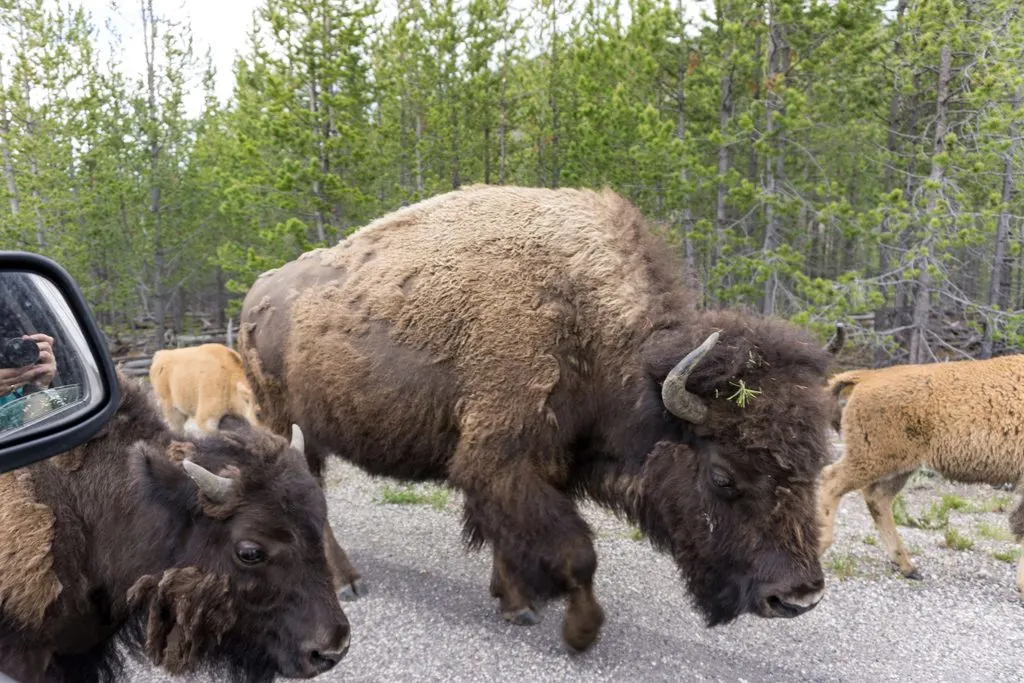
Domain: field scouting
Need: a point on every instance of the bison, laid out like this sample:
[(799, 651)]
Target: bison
[(203, 384), (962, 419), (204, 553), (534, 347)]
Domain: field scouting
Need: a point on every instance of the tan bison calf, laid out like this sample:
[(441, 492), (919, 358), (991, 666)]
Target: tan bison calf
[(963, 419), (202, 383)]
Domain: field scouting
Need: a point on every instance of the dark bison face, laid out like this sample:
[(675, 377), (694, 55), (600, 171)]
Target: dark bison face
[(744, 535), (253, 519), (738, 488)]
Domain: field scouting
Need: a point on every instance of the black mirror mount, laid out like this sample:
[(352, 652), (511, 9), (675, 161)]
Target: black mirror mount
[(54, 419)]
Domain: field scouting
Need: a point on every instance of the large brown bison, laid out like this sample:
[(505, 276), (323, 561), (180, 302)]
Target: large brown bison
[(204, 553), (532, 347)]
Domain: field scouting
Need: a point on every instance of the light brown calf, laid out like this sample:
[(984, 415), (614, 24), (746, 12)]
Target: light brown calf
[(202, 383), (963, 419)]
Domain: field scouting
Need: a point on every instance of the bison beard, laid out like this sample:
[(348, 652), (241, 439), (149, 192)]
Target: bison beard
[(536, 347)]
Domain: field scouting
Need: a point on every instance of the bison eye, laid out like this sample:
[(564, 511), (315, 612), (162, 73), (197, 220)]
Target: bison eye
[(721, 479), (250, 553)]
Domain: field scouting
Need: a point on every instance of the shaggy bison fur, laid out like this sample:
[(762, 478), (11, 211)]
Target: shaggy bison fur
[(962, 419), (533, 347), (203, 553)]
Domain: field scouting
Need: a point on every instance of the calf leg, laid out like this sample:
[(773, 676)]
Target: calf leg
[(854, 471), (1017, 527), (879, 497), (174, 417), (543, 548), (207, 419)]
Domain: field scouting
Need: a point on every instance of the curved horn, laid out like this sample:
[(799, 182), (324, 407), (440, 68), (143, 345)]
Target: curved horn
[(213, 486), (836, 343), (677, 399), (298, 441)]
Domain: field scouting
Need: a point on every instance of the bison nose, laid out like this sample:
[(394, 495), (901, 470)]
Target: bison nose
[(329, 649), (795, 601)]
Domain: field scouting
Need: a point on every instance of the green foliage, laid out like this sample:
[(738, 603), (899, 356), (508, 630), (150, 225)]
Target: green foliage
[(743, 394), (842, 565), (433, 496), (994, 532), (1010, 555), (957, 541), (806, 180)]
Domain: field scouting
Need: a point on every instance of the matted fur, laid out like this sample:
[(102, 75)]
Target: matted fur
[(146, 560), (28, 583), (512, 342), (963, 419)]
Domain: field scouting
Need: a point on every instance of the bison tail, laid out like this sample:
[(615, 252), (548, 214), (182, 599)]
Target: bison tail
[(839, 388), (838, 384)]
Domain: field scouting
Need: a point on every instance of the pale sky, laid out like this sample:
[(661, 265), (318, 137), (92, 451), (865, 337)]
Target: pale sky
[(221, 25)]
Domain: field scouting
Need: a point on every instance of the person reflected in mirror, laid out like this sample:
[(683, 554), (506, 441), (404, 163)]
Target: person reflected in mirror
[(20, 380)]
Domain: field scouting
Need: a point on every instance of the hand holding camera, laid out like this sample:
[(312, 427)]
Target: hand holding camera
[(26, 360)]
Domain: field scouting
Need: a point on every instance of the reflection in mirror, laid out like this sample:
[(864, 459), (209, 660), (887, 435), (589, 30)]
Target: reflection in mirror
[(48, 374)]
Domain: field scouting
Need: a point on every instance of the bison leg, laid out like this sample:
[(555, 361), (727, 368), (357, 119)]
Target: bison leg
[(542, 547), (879, 497), (347, 582), (515, 607)]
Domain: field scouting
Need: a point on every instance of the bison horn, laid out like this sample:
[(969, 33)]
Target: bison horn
[(213, 486), (298, 441), (677, 399), (836, 343)]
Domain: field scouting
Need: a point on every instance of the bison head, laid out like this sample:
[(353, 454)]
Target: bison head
[(248, 590), (732, 494)]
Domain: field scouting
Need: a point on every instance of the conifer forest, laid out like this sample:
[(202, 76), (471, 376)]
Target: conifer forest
[(819, 160)]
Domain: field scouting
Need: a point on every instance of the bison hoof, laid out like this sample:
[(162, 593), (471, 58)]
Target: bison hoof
[(580, 636), (522, 617), (581, 627), (353, 591), (914, 575)]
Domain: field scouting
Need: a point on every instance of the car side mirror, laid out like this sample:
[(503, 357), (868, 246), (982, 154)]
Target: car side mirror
[(53, 396)]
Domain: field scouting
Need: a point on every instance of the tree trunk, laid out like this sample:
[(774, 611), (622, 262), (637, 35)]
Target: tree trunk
[(922, 296), (778, 63), (1001, 285), (5, 131), (999, 291), (419, 154), (724, 115), (159, 296), (503, 130)]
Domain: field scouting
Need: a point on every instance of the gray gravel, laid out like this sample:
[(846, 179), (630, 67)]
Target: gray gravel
[(429, 616)]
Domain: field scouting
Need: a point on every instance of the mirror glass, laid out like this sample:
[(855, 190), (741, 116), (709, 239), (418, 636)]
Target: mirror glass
[(48, 374)]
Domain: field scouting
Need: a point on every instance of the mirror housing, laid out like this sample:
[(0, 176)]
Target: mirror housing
[(50, 421)]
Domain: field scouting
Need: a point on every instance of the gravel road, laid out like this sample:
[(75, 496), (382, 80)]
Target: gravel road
[(429, 617)]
